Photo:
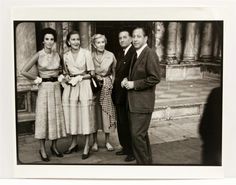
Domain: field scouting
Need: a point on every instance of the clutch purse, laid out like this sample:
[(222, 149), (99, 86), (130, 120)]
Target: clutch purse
[(96, 85)]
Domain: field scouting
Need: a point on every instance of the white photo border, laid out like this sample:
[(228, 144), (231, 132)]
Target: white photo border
[(128, 13)]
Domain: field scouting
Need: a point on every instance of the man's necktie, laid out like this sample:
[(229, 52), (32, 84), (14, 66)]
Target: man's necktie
[(134, 60)]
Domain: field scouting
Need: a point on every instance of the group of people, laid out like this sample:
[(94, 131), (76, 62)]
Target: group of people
[(125, 100)]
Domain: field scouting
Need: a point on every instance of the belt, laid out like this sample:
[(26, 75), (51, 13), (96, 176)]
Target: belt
[(51, 79)]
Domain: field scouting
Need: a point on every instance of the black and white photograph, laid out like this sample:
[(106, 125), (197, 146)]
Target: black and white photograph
[(118, 92)]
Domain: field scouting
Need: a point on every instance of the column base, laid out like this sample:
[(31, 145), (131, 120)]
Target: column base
[(181, 71), (171, 60), (190, 71)]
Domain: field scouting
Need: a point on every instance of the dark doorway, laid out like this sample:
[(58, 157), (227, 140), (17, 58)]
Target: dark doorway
[(111, 30)]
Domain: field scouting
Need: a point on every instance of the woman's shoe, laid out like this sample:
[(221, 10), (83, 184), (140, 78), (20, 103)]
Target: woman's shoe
[(85, 156), (109, 147), (56, 153), (46, 159), (74, 149)]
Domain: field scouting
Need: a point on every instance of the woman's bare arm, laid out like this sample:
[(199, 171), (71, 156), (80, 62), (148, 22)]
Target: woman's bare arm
[(28, 66)]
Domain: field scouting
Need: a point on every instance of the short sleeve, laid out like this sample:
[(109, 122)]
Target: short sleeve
[(89, 61)]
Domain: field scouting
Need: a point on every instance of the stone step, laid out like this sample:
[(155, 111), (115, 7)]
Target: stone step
[(177, 109), (173, 130)]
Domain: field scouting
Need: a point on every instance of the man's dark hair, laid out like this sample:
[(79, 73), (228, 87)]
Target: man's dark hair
[(125, 30), (142, 28)]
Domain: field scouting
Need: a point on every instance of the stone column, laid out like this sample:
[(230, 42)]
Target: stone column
[(49, 25), (197, 42), (85, 34), (189, 50), (25, 47), (66, 28), (159, 33), (217, 52), (171, 43), (179, 41), (219, 56), (60, 43), (207, 42)]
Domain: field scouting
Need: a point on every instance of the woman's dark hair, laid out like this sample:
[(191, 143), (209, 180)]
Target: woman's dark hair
[(49, 31), (69, 35)]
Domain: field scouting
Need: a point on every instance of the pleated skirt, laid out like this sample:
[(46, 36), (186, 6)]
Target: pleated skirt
[(79, 108), (49, 121)]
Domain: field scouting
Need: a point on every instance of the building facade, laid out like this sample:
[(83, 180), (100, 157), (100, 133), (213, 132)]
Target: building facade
[(187, 50)]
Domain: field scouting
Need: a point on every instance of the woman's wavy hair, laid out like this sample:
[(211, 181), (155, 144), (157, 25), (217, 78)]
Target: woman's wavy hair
[(97, 36), (69, 35)]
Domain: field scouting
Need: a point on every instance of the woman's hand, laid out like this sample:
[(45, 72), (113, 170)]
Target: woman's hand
[(99, 77), (60, 78), (75, 80), (38, 80)]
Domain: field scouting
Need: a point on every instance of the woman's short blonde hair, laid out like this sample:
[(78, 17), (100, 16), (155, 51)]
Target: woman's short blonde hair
[(97, 36)]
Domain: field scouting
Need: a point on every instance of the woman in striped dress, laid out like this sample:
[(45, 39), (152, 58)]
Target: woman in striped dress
[(77, 95), (49, 117)]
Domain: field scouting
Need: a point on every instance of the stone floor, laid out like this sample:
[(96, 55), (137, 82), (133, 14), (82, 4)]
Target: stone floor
[(181, 152), (173, 142)]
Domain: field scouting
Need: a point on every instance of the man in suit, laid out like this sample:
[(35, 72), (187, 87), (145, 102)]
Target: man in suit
[(143, 76), (120, 94)]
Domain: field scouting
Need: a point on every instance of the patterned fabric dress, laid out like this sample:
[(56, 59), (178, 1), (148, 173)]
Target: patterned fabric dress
[(77, 101), (49, 121), (105, 110)]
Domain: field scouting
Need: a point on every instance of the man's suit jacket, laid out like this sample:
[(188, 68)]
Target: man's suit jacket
[(119, 94), (145, 74)]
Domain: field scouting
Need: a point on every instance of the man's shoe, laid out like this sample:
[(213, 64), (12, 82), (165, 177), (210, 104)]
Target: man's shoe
[(129, 158), (121, 152)]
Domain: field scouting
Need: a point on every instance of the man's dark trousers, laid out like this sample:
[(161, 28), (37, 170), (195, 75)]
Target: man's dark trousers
[(140, 139), (123, 129), (119, 96)]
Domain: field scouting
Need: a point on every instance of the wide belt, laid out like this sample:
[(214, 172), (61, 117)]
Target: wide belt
[(51, 79)]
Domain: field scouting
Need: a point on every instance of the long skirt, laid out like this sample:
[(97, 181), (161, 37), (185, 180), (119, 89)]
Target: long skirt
[(103, 120), (79, 108), (49, 121)]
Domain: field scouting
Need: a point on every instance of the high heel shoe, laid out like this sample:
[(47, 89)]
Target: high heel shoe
[(46, 159), (74, 149), (85, 156), (56, 153)]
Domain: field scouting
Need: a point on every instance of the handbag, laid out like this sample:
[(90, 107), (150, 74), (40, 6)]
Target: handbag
[(96, 85)]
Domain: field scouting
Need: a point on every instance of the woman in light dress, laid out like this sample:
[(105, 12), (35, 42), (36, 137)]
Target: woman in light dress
[(104, 63), (49, 117), (77, 97)]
